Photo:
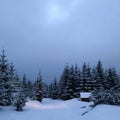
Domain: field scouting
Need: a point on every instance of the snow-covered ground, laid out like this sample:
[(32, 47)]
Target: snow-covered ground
[(61, 110), (103, 112)]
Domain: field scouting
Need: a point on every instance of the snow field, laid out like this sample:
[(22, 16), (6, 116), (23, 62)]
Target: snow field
[(61, 110)]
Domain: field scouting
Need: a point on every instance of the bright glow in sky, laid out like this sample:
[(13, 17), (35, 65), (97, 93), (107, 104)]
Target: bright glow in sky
[(54, 12), (57, 12)]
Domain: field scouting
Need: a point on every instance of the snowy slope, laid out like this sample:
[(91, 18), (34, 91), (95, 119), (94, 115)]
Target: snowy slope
[(61, 110), (103, 112)]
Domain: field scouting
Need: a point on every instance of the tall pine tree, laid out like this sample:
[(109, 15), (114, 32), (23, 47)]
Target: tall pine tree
[(39, 88), (55, 94), (99, 75), (5, 88), (19, 97), (63, 83)]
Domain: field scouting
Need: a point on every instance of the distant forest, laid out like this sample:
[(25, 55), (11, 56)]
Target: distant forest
[(104, 84)]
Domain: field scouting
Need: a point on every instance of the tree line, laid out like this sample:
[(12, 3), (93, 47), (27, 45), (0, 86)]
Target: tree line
[(104, 84)]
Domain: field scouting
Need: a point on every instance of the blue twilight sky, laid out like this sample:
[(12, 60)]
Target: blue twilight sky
[(44, 35)]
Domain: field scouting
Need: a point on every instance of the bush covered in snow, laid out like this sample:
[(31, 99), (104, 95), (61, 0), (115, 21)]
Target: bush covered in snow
[(19, 102)]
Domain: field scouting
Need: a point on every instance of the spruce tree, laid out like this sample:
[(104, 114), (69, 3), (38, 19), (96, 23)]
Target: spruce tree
[(46, 91), (5, 88), (55, 94), (89, 79), (93, 78), (30, 90), (25, 85), (39, 88), (63, 83), (99, 75), (70, 88), (19, 97), (12, 77), (77, 78), (113, 79), (86, 79), (109, 91), (11, 72), (50, 93)]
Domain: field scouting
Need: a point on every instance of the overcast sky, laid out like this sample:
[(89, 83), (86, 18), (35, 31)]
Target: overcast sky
[(44, 35)]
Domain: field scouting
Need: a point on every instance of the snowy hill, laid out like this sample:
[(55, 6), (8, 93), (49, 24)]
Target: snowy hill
[(61, 110), (103, 112)]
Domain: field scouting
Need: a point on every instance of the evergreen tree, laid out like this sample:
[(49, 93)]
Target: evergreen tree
[(70, 88), (106, 81), (83, 81), (30, 90), (98, 93), (13, 79), (90, 81), (46, 91), (77, 78), (15, 87), (55, 89), (25, 85), (110, 92), (99, 76), (63, 83), (86, 79), (93, 77), (112, 79), (19, 97), (11, 72), (50, 93), (39, 88), (20, 102), (5, 88), (104, 96)]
